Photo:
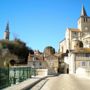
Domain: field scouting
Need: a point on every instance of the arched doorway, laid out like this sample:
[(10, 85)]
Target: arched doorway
[(12, 62)]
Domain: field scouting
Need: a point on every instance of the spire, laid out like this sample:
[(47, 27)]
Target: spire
[(83, 12), (6, 33), (7, 27)]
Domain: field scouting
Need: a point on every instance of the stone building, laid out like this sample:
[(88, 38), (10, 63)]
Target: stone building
[(78, 61), (82, 33), (6, 58), (53, 64), (74, 49), (40, 61), (7, 33), (36, 60)]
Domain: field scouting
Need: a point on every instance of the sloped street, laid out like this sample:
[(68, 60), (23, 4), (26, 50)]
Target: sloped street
[(66, 82)]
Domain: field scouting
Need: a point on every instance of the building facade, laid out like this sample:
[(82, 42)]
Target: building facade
[(40, 61), (78, 62), (81, 33), (75, 48)]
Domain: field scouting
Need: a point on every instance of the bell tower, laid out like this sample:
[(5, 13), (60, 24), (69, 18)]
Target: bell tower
[(6, 33), (84, 21)]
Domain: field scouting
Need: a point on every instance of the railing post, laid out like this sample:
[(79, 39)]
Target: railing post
[(19, 74), (14, 76), (8, 74), (23, 74), (27, 72)]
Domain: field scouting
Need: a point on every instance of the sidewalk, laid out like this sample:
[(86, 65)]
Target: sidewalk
[(26, 84)]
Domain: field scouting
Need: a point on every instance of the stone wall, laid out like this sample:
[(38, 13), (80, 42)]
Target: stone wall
[(41, 72)]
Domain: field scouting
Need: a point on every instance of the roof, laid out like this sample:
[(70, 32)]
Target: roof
[(74, 30), (35, 56), (82, 50), (83, 11), (62, 40), (7, 27)]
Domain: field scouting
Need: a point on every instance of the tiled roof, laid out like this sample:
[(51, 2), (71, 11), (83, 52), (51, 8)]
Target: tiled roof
[(74, 30), (82, 50), (83, 12)]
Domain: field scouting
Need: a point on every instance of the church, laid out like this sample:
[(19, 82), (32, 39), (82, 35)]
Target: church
[(6, 33), (76, 47)]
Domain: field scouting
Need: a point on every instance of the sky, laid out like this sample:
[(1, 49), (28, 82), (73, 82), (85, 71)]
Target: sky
[(40, 23)]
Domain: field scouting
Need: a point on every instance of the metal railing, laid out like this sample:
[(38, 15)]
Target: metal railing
[(14, 75), (4, 77)]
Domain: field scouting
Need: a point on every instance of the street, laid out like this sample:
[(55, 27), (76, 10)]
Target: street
[(66, 82)]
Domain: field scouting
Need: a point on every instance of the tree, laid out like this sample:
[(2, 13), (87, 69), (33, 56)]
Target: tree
[(49, 50), (17, 47)]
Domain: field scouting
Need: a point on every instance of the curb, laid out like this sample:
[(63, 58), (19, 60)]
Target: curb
[(34, 83)]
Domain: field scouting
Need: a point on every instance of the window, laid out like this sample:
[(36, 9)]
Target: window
[(74, 34), (87, 55), (83, 63), (85, 19)]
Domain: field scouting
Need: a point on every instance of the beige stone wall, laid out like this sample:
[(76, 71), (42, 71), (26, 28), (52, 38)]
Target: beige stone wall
[(6, 59), (53, 66), (82, 24), (41, 72), (38, 64), (62, 46), (76, 64), (83, 71), (67, 37), (79, 64)]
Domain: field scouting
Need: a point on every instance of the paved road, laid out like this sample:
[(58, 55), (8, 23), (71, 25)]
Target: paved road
[(66, 82)]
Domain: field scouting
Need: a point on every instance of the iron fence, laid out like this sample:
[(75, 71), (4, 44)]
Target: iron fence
[(14, 75), (4, 77)]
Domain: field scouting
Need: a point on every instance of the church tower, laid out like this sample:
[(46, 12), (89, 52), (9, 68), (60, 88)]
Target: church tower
[(6, 33), (84, 21)]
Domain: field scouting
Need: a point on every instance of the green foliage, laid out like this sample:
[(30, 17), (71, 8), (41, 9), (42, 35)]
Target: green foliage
[(16, 47), (49, 50)]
